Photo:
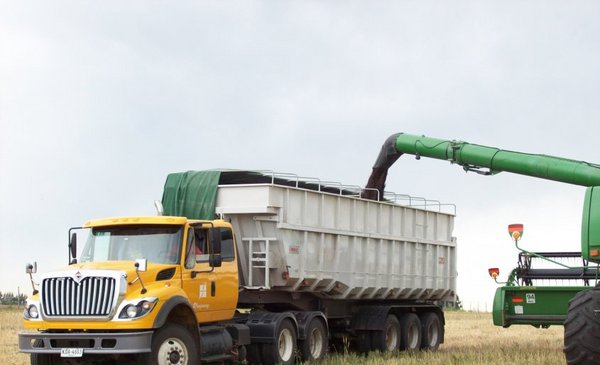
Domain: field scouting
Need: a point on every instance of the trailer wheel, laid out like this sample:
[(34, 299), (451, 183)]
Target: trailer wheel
[(410, 332), (582, 329), (283, 351), (432, 331), (388, 339), (314, 347), (173, 344)]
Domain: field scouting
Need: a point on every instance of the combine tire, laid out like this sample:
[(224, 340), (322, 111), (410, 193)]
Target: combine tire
[(410, 332), (582, 329), (432, 331), (388, 339), (314, 347), (283, 351)]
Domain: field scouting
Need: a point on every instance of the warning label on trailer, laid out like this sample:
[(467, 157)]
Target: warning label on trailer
[(530, 298)]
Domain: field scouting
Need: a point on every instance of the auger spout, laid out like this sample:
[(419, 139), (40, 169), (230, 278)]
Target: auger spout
[(481, 159)]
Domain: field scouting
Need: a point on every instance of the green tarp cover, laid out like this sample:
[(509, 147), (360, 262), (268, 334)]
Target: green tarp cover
[(191, 194)]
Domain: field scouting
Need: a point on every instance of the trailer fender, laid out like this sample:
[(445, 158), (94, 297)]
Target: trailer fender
[(370, 318), (305, 318), (263, 325)]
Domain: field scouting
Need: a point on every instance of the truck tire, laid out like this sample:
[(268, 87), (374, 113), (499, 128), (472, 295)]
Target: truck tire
[(582, 329), (314, 347), (410, 332), (283, 350), (432, 331), (173, 344), (387, 339), (45, 359)]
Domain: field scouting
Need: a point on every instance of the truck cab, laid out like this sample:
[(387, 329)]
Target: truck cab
[(133, 276)]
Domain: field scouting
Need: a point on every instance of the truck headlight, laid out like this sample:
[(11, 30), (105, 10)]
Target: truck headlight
[(31, 312), (131, 311), (138, 309)]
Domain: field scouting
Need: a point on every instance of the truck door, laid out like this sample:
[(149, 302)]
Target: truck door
[(212, 291)]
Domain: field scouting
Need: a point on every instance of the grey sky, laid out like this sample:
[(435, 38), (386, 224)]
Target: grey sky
[(100, 100)]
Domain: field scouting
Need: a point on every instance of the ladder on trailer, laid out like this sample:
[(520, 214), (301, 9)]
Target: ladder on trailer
[(258, 259)]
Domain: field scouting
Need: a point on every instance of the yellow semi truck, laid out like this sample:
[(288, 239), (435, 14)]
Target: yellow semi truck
[(246, 265)]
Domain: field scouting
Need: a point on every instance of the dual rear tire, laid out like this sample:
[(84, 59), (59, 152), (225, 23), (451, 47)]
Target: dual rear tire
[(286, 347), (314, 347)]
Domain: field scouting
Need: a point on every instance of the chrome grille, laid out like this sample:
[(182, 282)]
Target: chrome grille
[(92, 297)]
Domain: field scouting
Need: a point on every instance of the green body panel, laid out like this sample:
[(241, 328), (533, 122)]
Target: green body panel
[(191, 194), (496, 160), (590, 232), (534, 305)]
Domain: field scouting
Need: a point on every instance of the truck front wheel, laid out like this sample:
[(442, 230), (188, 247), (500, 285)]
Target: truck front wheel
[(45, 359), (582, 329), (173, 344)]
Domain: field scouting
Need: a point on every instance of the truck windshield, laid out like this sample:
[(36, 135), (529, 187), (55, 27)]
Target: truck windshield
[(158, 244)]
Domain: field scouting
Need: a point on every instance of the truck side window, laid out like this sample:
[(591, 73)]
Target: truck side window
[(201, 250), (190, 256), (227, 244)]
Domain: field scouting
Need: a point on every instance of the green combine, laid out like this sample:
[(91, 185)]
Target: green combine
[(523, 299)]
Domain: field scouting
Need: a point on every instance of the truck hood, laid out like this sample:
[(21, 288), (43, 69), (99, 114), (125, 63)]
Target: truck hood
[(123, 270)]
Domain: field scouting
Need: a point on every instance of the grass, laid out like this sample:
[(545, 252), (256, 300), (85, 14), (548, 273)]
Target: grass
[(11, 319), (470, 339)]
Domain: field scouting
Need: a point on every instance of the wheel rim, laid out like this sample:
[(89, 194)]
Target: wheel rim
[(412, 337), (285, 344), (391, 338), (172, 351), (315, 343)]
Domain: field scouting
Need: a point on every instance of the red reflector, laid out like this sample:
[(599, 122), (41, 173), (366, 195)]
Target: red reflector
[(517, 299), (594, 253)]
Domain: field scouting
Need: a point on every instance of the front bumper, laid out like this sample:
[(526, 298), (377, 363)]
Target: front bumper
[(91, 343)]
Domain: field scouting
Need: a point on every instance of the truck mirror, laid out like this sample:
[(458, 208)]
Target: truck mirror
[(73, 247), (31, 268), (215, 260), (141, 265), (214, 236)]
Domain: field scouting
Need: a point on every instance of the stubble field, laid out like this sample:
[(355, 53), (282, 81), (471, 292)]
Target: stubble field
[(470, 339)]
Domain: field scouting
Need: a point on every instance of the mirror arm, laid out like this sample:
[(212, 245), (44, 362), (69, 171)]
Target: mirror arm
[(195, 273), (137, 272), (31, 268)]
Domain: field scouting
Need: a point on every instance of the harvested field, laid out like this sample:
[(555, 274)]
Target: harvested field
[(470, 339)]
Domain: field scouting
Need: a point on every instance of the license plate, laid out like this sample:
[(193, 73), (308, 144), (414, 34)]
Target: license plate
[(71, 352)]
